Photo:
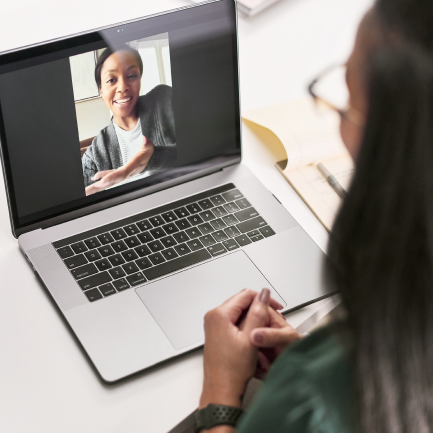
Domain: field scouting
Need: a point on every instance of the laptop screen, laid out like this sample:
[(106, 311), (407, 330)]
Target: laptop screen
[(125, 109)]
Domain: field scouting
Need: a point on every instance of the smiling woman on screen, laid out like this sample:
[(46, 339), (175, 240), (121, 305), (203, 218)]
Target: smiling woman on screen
[(141, 139)]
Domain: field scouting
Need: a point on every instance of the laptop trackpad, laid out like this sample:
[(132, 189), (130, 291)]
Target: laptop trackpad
[(179, 302)]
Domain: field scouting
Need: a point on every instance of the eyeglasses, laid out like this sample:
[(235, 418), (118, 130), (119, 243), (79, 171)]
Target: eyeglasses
[(330, 90)]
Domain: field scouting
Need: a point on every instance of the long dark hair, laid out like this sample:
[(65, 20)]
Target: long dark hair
[(380, 254)]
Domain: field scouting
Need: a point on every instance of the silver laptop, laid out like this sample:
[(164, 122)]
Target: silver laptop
[(121, 151)]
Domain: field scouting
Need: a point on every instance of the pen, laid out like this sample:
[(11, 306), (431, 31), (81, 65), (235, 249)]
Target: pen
[(333, 182)]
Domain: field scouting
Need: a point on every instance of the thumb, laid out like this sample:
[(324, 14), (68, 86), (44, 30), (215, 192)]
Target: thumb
[(146, 143), (258, 315), (273, 337)]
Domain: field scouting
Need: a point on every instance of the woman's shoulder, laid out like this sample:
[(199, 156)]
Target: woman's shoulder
[(308, 388)]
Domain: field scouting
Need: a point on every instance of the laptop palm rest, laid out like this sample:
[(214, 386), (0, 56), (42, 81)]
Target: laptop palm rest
[(179, 303)]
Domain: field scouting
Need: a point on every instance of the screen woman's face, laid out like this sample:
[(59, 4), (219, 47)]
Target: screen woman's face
[(120, 83)]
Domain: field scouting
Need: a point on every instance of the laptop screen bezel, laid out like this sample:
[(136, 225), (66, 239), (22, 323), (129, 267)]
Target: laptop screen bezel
[(39, 49)]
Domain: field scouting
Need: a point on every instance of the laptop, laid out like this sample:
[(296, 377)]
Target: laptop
[(121, 152)]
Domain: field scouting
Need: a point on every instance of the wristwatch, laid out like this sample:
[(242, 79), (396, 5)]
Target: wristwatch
[(216, 414)]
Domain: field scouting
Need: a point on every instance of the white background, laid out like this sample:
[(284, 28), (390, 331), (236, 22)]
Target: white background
[(46, 383)]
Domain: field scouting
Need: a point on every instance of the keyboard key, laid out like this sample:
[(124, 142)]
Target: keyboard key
[(230, 220), (218, 224), (257, 238), (246, 214), (65, 252), (144, 225), (143, 263), (103, 264), (243, 240), (130, 268), (217, 200), (183, 224), (207, 215), (207, 240), (93, 295), (220, 236), (92, 255), (118, 234), (206, 228), (234, 194), (74, 262), (169, 216), (182, 249), (105, 238), (158, 232), (155, 246), (193, 208), (195, 245), (231, 207), (255, 223), (94, 280), (92, 243), (106, 251), (145, 237), (195, 219), (168, 241), (129, 255), (117, 272), (182, 236), (143, 250), (119, 246), (116, 260), (192, 233), (131, 230), (243, 203), (169, 254), (132, 242), (156, 259), (170, 228), (157, 221), (107, 289), (84, 271), (217, 250), (232, 232), (230, 244), (205, 204), (136, 279), (177, 264), (254, 234), (267, 231), (181, 212), (121, 285), (79, 247), (219, 211)]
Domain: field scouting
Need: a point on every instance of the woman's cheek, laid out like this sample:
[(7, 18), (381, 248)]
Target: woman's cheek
[(351, 136)]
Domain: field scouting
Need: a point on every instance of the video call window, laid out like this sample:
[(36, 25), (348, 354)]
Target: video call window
[(123, 106)]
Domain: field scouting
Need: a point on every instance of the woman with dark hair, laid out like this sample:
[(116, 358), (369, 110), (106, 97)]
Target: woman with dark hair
[(141, 139), (372, 370)]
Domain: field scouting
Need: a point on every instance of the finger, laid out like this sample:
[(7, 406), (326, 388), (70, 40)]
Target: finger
[(100, 174), (275, 304), (258, 315), (237, 304), (273, 337)]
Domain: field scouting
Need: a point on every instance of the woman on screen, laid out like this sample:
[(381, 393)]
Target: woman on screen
[(141, 139)]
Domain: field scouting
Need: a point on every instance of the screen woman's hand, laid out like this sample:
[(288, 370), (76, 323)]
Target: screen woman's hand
[(135, 165)]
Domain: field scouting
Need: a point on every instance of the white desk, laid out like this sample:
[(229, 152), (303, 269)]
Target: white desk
[(46, 383)]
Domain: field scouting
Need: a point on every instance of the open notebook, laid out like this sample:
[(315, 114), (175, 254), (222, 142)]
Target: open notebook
[(309, 136)]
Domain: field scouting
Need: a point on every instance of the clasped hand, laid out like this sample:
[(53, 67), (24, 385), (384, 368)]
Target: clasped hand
[(243, 337), (107, 178)]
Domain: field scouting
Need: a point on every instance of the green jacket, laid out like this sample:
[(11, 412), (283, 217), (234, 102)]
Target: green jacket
[(309, 389)]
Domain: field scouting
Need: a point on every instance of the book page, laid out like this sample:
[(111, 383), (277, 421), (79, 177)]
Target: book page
[(307, 133), (315, 190)]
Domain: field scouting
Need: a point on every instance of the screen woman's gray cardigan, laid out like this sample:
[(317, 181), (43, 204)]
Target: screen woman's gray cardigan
[(155, 110)]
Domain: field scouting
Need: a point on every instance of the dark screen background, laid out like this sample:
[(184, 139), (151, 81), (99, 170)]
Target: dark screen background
[(39, 126)]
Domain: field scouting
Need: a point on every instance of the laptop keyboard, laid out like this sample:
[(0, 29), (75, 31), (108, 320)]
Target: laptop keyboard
[(129, 252)]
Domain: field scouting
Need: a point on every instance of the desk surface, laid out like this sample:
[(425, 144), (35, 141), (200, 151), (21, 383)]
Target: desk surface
[(46, 382)]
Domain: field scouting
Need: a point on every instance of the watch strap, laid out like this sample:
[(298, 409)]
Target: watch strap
[(216, 414)]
